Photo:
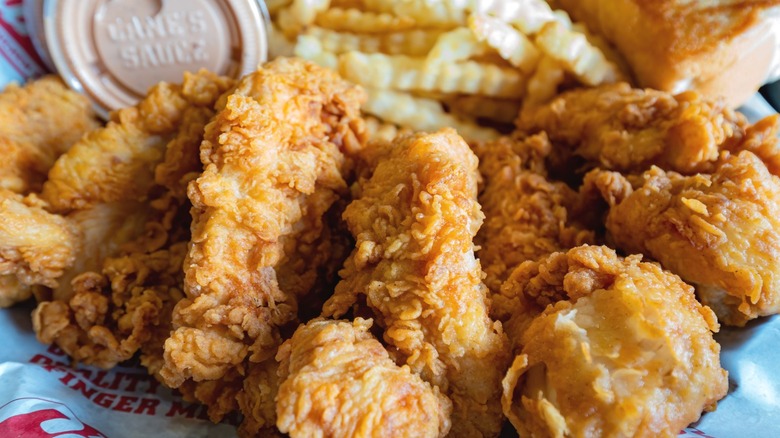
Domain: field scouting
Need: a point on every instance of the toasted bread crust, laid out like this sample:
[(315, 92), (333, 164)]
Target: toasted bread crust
[(718, 47)]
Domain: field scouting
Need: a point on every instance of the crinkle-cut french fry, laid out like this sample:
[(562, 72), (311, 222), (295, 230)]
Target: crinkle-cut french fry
[(278, 44), (431, 13), (379, 5), (355, 20), (275, 6), (381, 130), (562, 17), (310, 48), (456, 45), (433, 95), (606, 48), (406, 73), (528, 15), (301, 13), (479, 107), (544, 83), (508, 41), (411, 43), (573, 50), (421, 114), (347, 4)]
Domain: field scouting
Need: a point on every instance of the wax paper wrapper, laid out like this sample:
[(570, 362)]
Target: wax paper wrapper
[(18, 58)]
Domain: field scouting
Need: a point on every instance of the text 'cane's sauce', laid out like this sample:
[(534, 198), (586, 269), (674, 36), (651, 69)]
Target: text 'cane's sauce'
[(114, 50)]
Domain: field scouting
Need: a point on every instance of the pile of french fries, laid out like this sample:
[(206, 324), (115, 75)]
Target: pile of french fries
[(426, 64)]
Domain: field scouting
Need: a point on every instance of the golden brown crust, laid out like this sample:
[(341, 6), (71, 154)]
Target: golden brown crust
[(36, 247), (527, 216), (606, 357), (38, 123), (338, 380), (718, 231), (626, 129), (414, 219), (274, 162), (117, 163), (673, 45)]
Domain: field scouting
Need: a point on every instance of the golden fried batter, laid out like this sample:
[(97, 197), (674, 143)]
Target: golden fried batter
[(36, 247), (121, 289), (274, 164), (338, 380), (628, 351), (620, 128), (718, 231), (117, 163), (38, 123), (414, 219), (526, 215)]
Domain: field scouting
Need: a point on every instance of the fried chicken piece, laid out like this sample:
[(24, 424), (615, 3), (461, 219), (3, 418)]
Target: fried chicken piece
[(619, 128), (129, 273), (108, 203), (257, 400), (338, 380), (274, 164), (628, 351), (414, 218), (117, 163), (763, 139), (126, 305), (36, 247), (38, 123), (102, 230), (526, 215), (719, 232), (220, 396)]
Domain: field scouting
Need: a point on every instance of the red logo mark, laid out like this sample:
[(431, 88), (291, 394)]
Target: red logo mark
[(40, 418)]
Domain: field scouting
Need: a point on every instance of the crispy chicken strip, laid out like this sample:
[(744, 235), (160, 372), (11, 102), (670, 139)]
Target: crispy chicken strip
[(719, 231), (128, 274), (38, 123), (526, 215), (619, 128), (338, 380), (628, 351), (117, 163), (257, 400), (102, 230), (36, 247), (126, 305), (105, 182), (414, 219), (274, 164)]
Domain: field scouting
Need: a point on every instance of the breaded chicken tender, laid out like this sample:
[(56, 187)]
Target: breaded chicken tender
[(338, 381), (627, 351), (38, 123), (117, 163), (36, 247), (274, 164), (527, 216), (718, 231), (117, 297), (414, 219), (126, 305), (105, 182), (616, 127), (257, 400)]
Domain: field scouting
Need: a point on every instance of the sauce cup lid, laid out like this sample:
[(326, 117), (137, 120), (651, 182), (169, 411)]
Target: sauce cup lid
[(114, 50)]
